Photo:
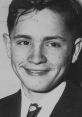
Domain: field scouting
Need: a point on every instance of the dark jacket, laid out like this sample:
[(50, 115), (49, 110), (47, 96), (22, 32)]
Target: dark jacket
[(69, 105)]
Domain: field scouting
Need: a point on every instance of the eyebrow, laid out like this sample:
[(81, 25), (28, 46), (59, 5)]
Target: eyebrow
[(55, 37), (22, 36)]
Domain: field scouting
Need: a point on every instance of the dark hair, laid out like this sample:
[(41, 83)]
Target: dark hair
[(70, 9)]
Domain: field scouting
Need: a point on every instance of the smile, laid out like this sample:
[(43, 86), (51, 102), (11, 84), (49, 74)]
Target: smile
[(36, 72)]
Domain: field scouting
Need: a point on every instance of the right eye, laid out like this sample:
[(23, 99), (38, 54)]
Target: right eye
[(23, 43)]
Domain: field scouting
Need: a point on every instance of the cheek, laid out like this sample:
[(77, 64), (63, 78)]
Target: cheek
[(58, 58), (17, 56)]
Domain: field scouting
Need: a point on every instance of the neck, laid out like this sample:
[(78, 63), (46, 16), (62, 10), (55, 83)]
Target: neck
[(37, 97), (33, 96)]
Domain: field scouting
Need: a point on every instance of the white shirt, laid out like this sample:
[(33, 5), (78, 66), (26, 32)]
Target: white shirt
[(47, 104)]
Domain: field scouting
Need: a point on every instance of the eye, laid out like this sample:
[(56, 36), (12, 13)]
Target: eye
[(23, 43), (53, 44)]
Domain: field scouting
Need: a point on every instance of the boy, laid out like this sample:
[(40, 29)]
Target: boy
[(44, 39)]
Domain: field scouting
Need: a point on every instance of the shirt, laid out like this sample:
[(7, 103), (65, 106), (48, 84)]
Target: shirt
[(48, 103)]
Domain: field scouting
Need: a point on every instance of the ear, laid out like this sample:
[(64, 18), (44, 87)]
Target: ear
[(7, 44), (78, 47)]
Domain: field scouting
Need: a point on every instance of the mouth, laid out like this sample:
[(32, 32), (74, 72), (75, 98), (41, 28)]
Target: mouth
[(34, 72)]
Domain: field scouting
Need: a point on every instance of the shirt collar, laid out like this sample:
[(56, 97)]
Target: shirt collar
[(46, 103)]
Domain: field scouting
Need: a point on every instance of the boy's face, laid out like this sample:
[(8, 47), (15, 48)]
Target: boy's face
[(40, 50)]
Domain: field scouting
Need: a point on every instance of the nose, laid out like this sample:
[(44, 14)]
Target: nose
[(37, 57)]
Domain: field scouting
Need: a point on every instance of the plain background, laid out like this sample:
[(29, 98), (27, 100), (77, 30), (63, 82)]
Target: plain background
[(9, 82)]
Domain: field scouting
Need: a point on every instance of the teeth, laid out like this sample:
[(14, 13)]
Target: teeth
[(36, 72)]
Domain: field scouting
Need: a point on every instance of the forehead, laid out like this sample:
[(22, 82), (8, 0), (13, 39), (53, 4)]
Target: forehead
[(42, 22), (39, 15)]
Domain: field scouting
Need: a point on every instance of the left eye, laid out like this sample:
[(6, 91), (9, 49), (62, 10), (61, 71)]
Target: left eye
[(53, 44)]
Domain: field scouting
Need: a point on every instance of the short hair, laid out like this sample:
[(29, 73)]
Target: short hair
[(70, 9)]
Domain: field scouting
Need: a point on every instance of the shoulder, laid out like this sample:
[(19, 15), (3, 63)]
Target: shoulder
[(10, 106), (10, 100), (70, 103), (74, 90), (72, 98)]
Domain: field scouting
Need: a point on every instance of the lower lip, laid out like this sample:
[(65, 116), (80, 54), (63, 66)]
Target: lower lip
[(36, 72)]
